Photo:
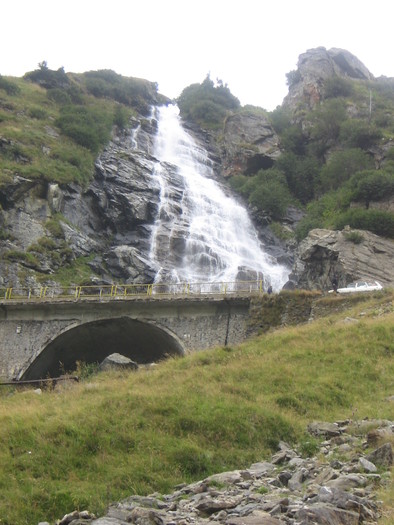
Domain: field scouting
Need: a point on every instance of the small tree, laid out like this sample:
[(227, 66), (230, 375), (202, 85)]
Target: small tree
[(341, 166), (372, 185)]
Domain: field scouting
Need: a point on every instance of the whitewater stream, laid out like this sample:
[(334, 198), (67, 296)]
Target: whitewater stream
[(218, 240)]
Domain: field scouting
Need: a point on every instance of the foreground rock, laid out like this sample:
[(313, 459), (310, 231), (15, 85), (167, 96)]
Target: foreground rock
[(289, 489), (118, 362)]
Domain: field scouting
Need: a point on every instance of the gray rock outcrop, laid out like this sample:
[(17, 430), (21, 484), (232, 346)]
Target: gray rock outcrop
[(314, 67), (327, 253), (249, 144)]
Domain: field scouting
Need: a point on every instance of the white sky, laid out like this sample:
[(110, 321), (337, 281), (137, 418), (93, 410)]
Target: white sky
[(249, 44)]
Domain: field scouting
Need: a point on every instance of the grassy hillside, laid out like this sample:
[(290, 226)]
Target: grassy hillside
[(114, 435), (53, 124)]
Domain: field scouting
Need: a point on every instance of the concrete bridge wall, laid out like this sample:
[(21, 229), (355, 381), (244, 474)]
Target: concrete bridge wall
[(38, 339)]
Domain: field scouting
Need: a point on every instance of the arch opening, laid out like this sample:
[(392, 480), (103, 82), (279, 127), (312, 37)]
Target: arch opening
[(140, 341)]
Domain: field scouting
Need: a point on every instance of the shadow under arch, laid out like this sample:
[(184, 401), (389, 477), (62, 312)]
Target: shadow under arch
[(141, 341)]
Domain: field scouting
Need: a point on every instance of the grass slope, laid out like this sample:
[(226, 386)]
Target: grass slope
[(118, 434)]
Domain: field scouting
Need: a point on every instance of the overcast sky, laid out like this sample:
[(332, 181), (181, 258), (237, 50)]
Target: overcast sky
[(249, 44)]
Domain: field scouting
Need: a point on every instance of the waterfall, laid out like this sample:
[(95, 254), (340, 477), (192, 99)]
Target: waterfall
[(201, 233)]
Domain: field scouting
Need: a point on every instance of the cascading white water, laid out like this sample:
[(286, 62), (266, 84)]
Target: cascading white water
[(220, 243)]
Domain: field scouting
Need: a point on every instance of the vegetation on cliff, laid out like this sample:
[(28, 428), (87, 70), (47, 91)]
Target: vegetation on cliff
[(114, 435), (53, 124), (336, 164), (207, 104)]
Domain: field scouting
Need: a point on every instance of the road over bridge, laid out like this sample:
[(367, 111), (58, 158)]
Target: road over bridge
[(43, 336)]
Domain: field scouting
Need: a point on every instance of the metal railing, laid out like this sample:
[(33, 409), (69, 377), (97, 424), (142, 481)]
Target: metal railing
[(124, 291)]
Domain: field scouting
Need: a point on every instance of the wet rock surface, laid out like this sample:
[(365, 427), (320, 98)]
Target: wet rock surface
[(337, 486)]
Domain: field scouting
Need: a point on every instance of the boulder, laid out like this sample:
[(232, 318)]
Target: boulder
[(118, 362), (327, 253), (382, 456)]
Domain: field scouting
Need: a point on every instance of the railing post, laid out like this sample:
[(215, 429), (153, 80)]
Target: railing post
[(8, 293)]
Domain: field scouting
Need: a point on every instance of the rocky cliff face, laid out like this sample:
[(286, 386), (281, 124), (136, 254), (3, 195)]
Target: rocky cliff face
[(317, 65), (249, 144), (109, 221)]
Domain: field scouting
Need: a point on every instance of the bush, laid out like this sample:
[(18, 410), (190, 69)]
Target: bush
[(301, 175), (281, 119), (357, 133), (59, 96), (87, 126), (273, 198), (341, 166), (207, 104), (354, 237), (293, 77), (375, 221), (372, 185), (293, 140), (338, 87), (9, 87), (134, 92), (48, 78), (267, 191), (327, 121), (121, 117), (37, 113)]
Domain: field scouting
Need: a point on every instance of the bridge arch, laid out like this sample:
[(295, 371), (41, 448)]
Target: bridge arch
[(142, 341)]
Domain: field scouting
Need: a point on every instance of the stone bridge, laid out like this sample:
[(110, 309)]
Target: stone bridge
[(46, 338)]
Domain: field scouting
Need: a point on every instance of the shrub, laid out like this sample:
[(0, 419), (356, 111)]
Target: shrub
[(357, 133), (376, 221), (354, 237), (337, 87), (281, 119), (207, 104), (134, 92), (267, 190), (9, 87), (48, 78), (60, 96), (293, 77), (272, 198), (301, 174), (37, 113), (327, 121), (305, 225), (87, 126), (372, 185), (293, 140), (121, 117), (341, 166)]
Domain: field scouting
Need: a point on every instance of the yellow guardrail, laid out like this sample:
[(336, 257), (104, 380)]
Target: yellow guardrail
[(122, 291)]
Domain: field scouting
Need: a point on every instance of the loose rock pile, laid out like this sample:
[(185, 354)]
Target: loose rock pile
[(335, 487)]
